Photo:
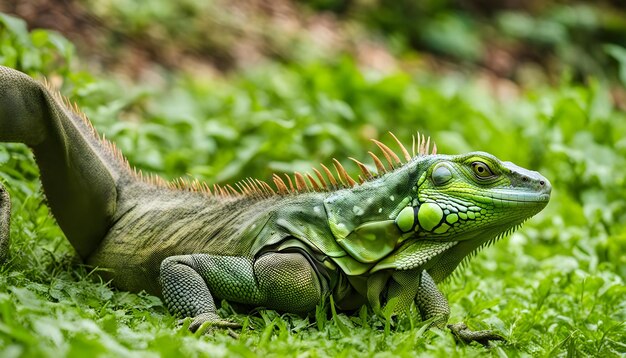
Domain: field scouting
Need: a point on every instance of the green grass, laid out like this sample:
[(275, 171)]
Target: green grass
[(556, 287)]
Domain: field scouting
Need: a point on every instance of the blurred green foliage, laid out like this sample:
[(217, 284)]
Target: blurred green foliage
[(525, 41), (33, 51), (523, 34), (556, 287)]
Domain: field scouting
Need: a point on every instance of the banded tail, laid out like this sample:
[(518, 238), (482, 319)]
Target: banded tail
[(79, 171)]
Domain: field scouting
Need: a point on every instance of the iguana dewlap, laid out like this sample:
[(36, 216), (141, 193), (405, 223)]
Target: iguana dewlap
[(392, 235)]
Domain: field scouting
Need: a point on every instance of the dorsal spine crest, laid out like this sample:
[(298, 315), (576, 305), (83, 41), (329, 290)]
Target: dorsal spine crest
[(304, 183)]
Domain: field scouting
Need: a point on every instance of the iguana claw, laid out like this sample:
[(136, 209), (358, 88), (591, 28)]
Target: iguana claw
[(214, 321), (462, 333)]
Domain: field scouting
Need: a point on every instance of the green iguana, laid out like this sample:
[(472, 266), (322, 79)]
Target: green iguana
[(390, 237)]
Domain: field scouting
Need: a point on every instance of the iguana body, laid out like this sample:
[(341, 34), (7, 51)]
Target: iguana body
[(393, 236)]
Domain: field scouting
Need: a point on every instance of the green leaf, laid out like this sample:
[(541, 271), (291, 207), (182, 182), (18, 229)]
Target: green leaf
[(343, 328)]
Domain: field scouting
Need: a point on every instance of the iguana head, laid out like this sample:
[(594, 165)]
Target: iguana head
[(471, 195), (443, 206)]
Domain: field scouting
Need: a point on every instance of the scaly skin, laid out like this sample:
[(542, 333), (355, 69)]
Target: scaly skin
[(389, 239)]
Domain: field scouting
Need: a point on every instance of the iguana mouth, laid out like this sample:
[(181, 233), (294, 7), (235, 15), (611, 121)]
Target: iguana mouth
[(524, 198), (519, 196)]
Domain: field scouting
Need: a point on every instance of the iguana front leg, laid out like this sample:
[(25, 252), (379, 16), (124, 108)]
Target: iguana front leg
[(433, 304), (282, 281), (5, 219)]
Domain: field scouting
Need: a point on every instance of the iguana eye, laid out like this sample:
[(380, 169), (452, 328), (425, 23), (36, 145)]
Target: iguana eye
[(481, 170)]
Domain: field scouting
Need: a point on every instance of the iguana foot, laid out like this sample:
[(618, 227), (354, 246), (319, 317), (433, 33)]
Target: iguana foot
[(462, 333), (214, 322)]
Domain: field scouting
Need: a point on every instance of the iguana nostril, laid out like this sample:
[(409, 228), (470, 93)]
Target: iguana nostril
[(542, 183)]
